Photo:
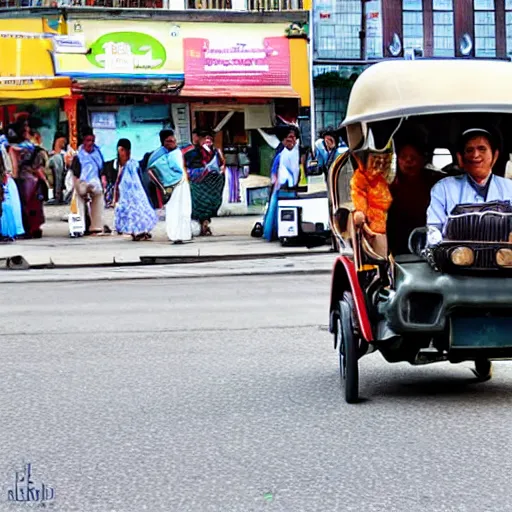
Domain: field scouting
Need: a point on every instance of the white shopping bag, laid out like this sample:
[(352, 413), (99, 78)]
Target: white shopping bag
[(76, 223)]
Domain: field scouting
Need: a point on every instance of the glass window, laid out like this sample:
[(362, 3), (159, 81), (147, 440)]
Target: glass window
[(444, 39), (508, 28), (337, 29), (412, 20), (485, 29), (508, 25)]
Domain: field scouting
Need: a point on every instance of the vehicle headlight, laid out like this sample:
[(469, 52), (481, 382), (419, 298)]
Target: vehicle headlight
[(504, 257), (462, 256)]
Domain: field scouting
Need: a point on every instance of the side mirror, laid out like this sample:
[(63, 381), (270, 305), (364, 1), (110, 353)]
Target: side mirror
[(418, 241), (340, 219)]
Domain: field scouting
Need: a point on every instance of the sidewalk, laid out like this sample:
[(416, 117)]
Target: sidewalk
[(231, 240)]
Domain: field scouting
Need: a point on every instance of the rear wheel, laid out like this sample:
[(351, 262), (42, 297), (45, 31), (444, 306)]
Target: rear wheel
[(348, 349)]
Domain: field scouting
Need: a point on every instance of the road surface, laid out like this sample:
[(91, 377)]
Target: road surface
[(222, 395)]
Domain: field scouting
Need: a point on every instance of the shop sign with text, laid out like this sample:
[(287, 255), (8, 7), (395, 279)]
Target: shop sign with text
[(250, 54), (210, 54), (123, 48)]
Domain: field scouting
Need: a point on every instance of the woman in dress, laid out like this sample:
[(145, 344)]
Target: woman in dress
[(133, 214), (285, 172), (206, 171), (11, 224), (28, 169)]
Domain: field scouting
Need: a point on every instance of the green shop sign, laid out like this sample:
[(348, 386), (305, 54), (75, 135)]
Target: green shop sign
[(125, 52)]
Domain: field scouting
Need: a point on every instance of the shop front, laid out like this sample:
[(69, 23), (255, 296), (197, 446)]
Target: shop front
[(28, 84), (131, 78)]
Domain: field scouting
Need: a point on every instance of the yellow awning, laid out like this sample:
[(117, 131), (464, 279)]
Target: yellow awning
[(26, 68), (34, 88)]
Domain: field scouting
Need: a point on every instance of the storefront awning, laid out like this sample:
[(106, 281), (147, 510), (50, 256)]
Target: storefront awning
[(26, 68), (25, 88), (201, 91), (127, 85)]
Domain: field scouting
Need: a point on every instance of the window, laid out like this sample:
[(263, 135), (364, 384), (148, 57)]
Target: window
[(209, 4), (444, 44), (441, 158), (508, 25), (337, 29), (485, 28), (412, 24), (330, 106), (274, 5)]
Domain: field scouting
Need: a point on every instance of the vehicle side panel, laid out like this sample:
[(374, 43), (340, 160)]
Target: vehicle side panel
[(344, 278)]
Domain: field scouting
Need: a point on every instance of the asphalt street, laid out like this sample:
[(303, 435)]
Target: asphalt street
[(223, 395)]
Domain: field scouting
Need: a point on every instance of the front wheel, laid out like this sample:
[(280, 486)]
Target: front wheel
[(348, 347)]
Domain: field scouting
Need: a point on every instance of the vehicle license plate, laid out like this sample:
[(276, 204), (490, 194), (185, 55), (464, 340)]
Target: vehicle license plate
[(490, 331)]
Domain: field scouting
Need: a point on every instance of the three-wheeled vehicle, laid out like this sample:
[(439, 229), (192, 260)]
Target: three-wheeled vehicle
[(445, 301)]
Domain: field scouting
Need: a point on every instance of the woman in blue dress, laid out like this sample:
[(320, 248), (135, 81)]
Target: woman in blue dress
[(134, 214), (11, 222), (285, 172)]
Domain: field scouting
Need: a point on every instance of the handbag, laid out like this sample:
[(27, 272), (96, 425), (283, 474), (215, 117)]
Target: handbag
[(167, 193)]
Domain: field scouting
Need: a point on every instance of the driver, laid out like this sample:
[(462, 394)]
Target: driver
[(477, 153)]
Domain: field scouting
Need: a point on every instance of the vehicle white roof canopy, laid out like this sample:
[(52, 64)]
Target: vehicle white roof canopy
[(395, 89)]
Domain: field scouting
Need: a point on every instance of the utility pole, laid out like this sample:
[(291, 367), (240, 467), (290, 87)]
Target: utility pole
[(362, 32), (311, 36)]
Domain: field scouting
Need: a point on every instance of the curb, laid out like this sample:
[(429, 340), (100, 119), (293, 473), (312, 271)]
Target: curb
[(145, 261), (199, 275)]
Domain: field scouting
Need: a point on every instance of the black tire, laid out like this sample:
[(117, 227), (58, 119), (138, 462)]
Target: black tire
[(348, 349)]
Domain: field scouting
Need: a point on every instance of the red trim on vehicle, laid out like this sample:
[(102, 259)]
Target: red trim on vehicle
[(357, 293)]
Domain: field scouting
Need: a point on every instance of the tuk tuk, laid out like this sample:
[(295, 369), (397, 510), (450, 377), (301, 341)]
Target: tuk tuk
[(446, 300)]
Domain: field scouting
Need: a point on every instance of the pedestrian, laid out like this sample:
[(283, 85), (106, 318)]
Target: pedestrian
[(133, 212), (285, 172), (87, 167), (206, 168), (109, 177), (11, 221), (149, 186), (28, 169), (166, 169), (327, 148), (57, 166)]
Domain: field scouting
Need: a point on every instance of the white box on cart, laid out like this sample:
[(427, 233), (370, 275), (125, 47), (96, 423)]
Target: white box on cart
[(288, 221)]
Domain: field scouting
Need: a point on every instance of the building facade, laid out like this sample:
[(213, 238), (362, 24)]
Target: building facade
[(135, 73), (352, 34), (132, 72)]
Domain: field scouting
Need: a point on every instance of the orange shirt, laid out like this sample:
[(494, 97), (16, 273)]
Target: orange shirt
[(372, 197)]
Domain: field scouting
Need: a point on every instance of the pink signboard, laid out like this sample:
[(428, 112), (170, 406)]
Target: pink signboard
[(219, 64)]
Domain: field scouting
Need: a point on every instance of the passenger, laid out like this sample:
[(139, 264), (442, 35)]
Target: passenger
[(477, 154), (371, 197), (411, 195)]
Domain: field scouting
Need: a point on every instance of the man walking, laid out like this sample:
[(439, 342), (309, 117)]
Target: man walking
[(87, 167)]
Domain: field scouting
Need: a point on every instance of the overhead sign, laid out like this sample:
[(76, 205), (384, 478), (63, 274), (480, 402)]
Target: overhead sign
[(122, 48), (224, 54), (69, 44), (248, 54)]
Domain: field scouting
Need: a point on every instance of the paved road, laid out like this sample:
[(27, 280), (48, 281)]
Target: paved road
[(222, 395)]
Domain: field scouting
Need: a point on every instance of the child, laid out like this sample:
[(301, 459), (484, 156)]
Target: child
[(371, 196)]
